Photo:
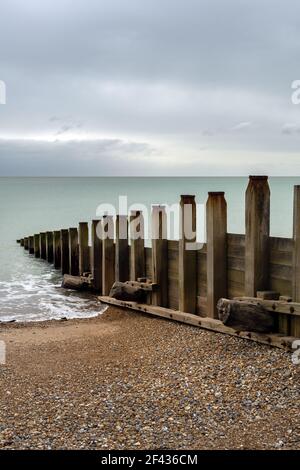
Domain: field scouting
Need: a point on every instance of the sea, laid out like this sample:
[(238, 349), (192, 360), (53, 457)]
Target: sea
[(30, 289)]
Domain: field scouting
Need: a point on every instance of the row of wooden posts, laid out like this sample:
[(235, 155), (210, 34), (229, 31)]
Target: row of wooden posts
[(117, 259)]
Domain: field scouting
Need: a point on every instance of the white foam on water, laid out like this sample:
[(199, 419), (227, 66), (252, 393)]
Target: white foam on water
[(33, 293)]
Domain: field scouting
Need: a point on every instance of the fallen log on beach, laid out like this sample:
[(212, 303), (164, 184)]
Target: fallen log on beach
[(245, 316), (124, 291), (75, 282)]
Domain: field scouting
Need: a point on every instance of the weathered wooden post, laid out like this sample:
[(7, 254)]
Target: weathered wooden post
[(159, 256), (295, 321), (108, 254), (187, 271), (36, 245), (49, 246), (43, 245), (57, 249), (64, 247), (257, 235), (96, 254), (137, 245), (122, 249), (216, 230), (73, 252), (22, 242), (84, 253), (31, 245), (26, 243)]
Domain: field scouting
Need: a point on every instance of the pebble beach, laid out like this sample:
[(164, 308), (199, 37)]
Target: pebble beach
[(124, 380)]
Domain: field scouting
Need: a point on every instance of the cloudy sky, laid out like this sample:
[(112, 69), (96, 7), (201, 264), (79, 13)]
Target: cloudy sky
[(149, 87)]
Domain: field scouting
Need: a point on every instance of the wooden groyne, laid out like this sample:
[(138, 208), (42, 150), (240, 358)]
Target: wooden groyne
[(185, 284)]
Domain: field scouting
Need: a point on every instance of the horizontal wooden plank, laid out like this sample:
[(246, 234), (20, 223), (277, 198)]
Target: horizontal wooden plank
[(282, 286), (281, 257), (237, 264), (235, 239), (205, 323), (278, 271), (235, 251), (281, 244)]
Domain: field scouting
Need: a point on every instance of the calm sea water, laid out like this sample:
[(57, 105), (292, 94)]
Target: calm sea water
[(30, 288)]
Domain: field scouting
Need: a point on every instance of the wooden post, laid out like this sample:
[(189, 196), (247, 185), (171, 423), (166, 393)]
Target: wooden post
[(84, 252), (31, 245), (22, 242), (122, 249), (187, 271), (36, 245), (49, 246), (257, 235), (26, 243), (295, 321), (137, 248), (108, 254), (96, 255), (73, 252), (43, 245), (64, 247), (216, 231), (159, 256), (57, 249)]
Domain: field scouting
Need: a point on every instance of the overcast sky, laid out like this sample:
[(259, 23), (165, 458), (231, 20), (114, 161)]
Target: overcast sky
[(149, 87)]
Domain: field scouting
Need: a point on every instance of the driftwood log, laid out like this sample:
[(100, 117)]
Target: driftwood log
[(74, 282), (245, 316), (123, 291)]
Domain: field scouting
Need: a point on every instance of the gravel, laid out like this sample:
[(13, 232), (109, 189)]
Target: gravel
[(129, 381)]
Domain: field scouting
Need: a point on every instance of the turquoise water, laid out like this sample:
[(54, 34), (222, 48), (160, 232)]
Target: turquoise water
[(29, 288)]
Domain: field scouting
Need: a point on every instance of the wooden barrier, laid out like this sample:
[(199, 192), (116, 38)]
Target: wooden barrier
[(122, 249), (187, 260), (295, 322), (31, 245), (64, 247), (185, 279), (159, 256), (108, 254), (49, 247), (257, 235), (73, 252), (26, 243), (216, 225), (36, 245), (57, 249), (43, 245), (83, 248), (137, 245), (96, 255)]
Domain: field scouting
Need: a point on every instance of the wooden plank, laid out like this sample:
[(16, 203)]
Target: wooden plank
[(49, 247), (83, 248), (43, 245), (22, 242), (57, 249), (235, 239), (187, 255), (159, 256), (73, 252), (108, 254), (31, 245), (137, 245), (281, 244), (36, 245), (257, 234), (26, 240), (207, 323), (96, 255), (295, 325), (64, 251), (122, 249), (216, 227)]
